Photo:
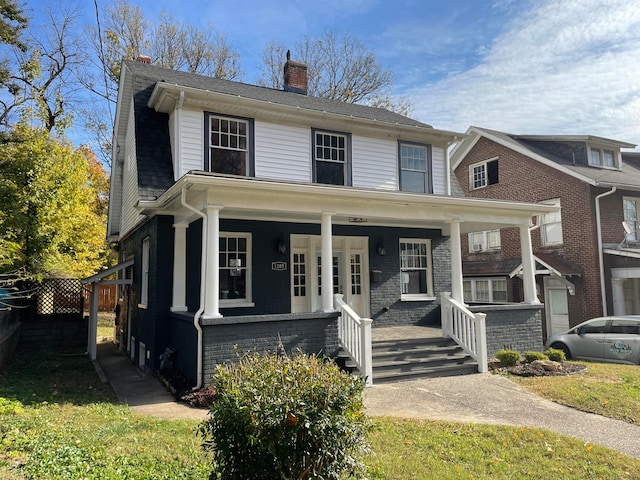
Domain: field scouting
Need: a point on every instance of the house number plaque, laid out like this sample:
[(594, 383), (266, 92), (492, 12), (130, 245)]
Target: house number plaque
[(278, 266)]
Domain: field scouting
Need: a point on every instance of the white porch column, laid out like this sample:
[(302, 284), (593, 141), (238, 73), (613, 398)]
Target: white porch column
[(617, 287), (456, 262), (528, 270), (93, 321), (179, 297), (212, 264), (326, 282)]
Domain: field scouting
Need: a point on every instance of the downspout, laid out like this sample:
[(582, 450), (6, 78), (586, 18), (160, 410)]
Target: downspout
[(447, 165), (600, 254), (198, 314)]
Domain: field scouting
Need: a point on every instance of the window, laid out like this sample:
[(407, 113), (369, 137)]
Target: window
[(488, 290), (332, 158), (630, 211), (235, 268), (229, 149), (484, 241), (415, 168), (483, 174), (144, 275), (602, 158), (415, 269), (551, 225)]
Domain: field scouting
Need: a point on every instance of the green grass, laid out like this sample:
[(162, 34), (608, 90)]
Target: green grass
[(58, 421), (611, 390)]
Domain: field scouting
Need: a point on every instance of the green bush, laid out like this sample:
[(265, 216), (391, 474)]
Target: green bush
[(508, 358), (286, 418), (555, 354), (533, 356)]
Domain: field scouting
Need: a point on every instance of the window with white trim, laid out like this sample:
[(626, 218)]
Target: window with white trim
[(486, 290), (229, 145), (415, 168), (601, 157), (416, 276), (235, 269), (551, 225), (144, 274), (484, 241), (331, 157), (630, 207), (483, 174)]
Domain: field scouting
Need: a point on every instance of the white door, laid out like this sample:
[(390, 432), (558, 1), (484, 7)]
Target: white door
[(556, 306)]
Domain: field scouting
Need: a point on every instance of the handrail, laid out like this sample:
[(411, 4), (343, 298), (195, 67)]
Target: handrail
[(466, 328), (354, 335)]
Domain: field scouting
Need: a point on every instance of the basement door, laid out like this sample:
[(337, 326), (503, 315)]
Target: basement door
[(350, 267), (556, 306)]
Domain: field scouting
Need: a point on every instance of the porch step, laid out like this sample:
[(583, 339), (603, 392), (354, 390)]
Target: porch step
[(409, 359)]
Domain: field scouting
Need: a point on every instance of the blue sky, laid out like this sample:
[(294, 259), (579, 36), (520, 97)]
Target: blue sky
[(520, 66)]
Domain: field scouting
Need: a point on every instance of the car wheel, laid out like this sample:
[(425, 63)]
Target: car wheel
[(564, 348)]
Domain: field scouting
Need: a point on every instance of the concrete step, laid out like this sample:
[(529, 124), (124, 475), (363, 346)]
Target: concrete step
[(413, 372)]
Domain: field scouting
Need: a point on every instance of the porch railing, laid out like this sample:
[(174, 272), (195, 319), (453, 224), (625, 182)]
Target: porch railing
[(466, 328), (354, 334)]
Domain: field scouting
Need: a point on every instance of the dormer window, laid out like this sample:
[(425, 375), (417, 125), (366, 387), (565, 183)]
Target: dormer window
[(483, 173), (229, 149), (600, 157)]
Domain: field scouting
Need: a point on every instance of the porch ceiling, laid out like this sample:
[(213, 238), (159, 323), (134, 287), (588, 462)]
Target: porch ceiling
[(255, 199)]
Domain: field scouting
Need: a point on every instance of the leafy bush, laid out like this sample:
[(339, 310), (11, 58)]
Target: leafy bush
[(533, 356), (555, 354), (286, 418), (508, 358)]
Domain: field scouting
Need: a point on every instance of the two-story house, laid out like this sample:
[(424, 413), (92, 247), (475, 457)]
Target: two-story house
[(586, 254), (256, 218)]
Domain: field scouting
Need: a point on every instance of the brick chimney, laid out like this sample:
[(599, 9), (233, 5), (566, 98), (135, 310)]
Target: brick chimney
[(143, 59), (295, 76)]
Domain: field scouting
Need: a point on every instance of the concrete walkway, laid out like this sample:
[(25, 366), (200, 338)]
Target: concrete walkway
[(479, 398)]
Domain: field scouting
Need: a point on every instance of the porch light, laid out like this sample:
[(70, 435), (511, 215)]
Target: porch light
[(381, 250)]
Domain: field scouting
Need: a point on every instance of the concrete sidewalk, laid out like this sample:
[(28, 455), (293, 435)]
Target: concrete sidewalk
[(479, 398)]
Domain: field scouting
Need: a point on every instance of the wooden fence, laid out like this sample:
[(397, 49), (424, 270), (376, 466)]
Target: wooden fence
[(107, 297)]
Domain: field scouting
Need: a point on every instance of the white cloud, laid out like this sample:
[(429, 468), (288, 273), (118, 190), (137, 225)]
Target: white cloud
[(562, 67)]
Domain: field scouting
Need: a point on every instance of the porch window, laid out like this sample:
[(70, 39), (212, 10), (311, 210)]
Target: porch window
[(235, 268), (144, 275), (483, 174), (551, 225), (415, 269), (229, 145), (484, 241), (630, 210), (485, 290), (331, 157), (415, 168)]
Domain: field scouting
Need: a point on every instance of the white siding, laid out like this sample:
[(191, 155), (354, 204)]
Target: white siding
[(192, 141), (130, 216), (283, 152), (172, 139), (439, 170), (374, 163)]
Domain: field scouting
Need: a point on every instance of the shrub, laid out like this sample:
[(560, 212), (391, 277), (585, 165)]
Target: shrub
[(533, 356), (285, 418), (508, 358), (555, 354)]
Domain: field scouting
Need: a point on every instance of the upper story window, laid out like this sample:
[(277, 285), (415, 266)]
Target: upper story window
[(229, 145), (483, 173), (415, 269), (331, 157), (484, 241), (600, 157), (490, 290), (415, 168), (235, 269), (630, 211), (551, 225)]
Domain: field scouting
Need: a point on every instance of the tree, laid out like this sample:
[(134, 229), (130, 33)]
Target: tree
[(52, 215), (339, 68), (12, 22)]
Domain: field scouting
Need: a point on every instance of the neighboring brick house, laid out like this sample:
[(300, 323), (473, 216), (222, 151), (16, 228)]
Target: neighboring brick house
[(241, 213), (586, 263)]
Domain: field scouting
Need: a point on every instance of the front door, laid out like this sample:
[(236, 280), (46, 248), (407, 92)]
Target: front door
[(350, 264), (556, 309)]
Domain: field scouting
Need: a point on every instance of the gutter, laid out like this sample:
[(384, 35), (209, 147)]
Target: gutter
[(198, 314), (603, 292), (447, 165)]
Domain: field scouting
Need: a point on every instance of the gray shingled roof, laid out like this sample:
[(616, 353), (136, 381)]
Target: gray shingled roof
[(154, 74)]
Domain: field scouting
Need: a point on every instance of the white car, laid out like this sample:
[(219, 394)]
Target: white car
[(603, 339)]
